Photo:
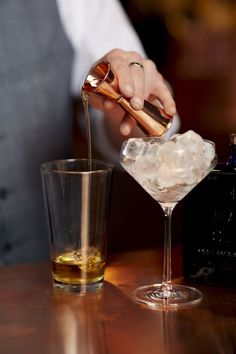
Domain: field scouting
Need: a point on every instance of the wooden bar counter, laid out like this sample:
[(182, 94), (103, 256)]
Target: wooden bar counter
[(35, 319)]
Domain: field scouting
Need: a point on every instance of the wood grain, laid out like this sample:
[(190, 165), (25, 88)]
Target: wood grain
[(36, 319)]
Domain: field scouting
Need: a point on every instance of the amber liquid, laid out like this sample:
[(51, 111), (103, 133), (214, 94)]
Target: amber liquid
[(85, 265), (78, 267), (85, 100)]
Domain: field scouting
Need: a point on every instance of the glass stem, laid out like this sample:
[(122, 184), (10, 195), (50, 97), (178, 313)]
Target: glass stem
[(166, 281)]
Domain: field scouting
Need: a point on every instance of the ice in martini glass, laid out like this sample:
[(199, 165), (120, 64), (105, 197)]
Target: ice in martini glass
[(168, 171)]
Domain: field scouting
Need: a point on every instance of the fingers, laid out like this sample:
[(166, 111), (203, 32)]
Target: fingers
[(131, 78), (99, 102), (137, 70), (139, 79), (127, 125), (157, 90), (136, 79), (120, 68)]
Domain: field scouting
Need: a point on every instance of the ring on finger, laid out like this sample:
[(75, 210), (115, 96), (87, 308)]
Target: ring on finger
[(136, 63)]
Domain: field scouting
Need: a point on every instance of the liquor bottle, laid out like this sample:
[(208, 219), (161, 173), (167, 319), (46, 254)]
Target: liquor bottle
[(232, 158), (209, 224)]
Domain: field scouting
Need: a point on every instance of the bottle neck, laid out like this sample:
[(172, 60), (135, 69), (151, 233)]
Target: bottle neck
[(232, 158)]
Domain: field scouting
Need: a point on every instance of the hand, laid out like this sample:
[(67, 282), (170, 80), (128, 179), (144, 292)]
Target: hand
[(136, 83)]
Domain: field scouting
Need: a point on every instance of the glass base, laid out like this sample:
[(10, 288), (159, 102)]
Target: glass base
[(78, 288), (156, 297)]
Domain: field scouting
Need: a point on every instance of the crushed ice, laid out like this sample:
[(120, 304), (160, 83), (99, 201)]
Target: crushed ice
[(160, 166)]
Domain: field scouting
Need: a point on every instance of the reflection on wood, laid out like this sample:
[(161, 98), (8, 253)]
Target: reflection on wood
[(36, 319)]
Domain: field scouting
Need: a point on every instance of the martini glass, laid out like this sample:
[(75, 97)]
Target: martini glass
[(168, 171)]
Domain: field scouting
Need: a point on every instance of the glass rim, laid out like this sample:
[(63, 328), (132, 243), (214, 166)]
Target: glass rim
[(163, 140), (44, 167)]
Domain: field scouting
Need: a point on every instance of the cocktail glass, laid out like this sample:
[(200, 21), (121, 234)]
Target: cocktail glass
[(168, 171)]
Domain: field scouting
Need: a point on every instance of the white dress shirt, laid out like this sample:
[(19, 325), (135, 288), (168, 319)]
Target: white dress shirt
[(94, 28)]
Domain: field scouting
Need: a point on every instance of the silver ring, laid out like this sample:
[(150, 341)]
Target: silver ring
[(136, 63)]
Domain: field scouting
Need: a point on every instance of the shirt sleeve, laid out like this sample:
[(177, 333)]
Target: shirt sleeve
[(94, 28)]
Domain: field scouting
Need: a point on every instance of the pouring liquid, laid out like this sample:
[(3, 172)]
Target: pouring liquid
[(84, 264), (85, 100)]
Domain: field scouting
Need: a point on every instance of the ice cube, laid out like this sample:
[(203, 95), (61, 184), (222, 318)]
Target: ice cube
[(133, 147), (159, 165)]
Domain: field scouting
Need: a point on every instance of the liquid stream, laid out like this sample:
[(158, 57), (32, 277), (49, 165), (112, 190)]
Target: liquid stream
[(84, 265), (85, 100)]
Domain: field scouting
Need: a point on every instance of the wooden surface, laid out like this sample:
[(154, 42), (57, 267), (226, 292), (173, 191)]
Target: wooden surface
[(35, 319)]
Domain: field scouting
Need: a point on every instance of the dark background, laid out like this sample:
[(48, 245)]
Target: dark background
[(193, 45)]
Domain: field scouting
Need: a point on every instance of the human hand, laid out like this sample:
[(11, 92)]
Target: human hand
[(137, 79)]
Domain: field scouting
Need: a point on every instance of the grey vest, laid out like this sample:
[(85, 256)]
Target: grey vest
[(35, 120)]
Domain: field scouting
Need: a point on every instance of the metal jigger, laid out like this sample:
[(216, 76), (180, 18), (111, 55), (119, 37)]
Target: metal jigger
[(152, 120)]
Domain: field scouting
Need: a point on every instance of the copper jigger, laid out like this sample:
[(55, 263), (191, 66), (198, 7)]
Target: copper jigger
[(152, 120)]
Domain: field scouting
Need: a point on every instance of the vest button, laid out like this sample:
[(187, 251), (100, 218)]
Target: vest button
[(3, 193), (7, 247)]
